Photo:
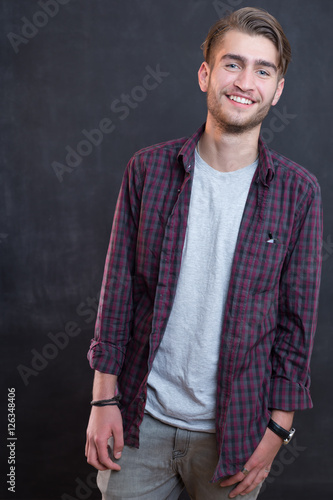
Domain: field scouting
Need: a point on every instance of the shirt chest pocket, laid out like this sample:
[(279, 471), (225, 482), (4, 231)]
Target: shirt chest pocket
[(265, 266)]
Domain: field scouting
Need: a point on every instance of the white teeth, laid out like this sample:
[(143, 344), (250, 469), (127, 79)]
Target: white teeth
[(241, 100)]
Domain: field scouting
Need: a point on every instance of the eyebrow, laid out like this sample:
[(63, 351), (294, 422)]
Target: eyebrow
[(258, 62)]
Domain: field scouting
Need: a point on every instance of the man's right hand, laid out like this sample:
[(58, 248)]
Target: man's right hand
[(104, 422)]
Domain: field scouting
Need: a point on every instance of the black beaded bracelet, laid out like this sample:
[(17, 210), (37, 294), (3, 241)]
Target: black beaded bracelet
[(107, 402)]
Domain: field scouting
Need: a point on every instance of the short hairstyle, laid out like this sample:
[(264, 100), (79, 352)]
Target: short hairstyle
[(252, 21)]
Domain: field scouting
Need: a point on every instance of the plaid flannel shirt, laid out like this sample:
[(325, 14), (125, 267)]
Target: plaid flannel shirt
[(271, 308)]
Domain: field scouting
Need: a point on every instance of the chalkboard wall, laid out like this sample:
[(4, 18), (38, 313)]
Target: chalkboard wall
[(85, 84)]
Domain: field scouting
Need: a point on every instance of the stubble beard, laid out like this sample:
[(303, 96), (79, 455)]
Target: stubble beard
[(235, 126)]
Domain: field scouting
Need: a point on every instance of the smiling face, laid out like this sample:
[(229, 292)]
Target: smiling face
[(242, 83)]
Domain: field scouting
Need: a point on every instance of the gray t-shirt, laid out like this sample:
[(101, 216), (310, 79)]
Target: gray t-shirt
[(182, 382)]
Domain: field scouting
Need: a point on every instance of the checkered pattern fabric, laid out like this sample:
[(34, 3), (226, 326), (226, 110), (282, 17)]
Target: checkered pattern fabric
[(271, 308)]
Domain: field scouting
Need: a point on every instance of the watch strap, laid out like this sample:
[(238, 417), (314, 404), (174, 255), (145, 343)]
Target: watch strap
[(280, 431)]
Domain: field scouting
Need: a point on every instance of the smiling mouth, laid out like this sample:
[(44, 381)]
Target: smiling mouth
[(240, 100)]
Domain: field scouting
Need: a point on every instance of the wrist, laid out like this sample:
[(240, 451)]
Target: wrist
[(107, 402), (284, 434), (283, 418), (104, 386)]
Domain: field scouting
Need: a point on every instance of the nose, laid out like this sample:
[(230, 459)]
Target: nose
[(244, 80)]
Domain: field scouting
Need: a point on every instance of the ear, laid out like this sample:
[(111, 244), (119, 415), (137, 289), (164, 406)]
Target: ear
[(203, 76), (278, 92)]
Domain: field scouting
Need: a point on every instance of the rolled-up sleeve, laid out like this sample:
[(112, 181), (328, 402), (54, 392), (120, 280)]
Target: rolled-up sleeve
[(298, 306), (115, 312)]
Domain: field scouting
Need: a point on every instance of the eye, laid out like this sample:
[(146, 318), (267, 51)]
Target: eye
[(232, 66), (262, 72)]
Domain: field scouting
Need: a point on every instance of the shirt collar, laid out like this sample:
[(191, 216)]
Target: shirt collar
[(266, 164), (186, 154), (266, 168)]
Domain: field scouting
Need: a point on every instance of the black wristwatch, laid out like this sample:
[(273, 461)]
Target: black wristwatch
[(281, 432)]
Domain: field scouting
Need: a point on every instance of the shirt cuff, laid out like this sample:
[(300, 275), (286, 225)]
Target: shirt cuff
[(289, 396), (105, 357)]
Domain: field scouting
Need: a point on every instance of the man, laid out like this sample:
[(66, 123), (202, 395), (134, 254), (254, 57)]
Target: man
[(209, 298)]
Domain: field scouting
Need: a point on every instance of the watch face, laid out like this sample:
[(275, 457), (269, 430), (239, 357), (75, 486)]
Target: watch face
[(291, 433)]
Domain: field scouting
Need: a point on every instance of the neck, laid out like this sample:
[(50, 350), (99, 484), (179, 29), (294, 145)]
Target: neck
[(228, 152)]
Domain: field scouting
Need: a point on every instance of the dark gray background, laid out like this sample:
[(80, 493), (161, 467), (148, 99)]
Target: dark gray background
[(54, 235)]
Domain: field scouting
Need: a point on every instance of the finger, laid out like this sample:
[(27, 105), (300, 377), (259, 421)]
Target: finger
[(104, 456), (92, 457), (252, 487), (118, 442), (251, 481), (261, 476), (98, 455), (86, 449), (244, 483), (232, 480)]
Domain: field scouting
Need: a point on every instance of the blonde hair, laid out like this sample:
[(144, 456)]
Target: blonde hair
[(252, 21)]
